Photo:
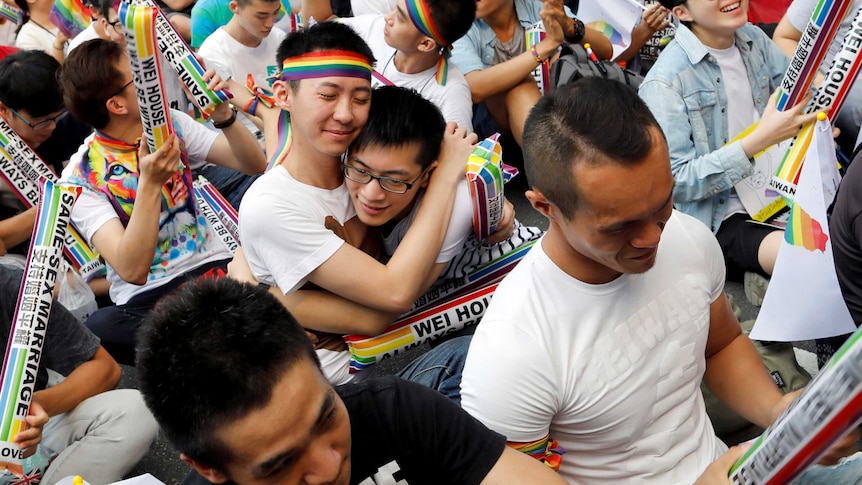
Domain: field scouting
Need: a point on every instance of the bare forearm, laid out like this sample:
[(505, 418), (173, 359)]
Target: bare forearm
[(95, 376), (16, 229), (325, 312), (137, 246)]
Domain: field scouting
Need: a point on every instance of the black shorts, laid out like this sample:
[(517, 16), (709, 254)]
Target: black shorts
[(740, 241)]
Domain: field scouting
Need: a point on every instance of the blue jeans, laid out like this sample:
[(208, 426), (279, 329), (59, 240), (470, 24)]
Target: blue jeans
[(440, 368), (848, 472)]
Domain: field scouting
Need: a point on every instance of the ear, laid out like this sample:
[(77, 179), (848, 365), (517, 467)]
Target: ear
[(426, 44), (234, 7), (116, 106), (282, 93), (541, 204), (681, 12), (426, 179), (211, 474)]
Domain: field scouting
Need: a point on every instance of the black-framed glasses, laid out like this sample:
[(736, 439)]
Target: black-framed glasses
[(116, 25), (40, 125), (122, 89), (388, 184)]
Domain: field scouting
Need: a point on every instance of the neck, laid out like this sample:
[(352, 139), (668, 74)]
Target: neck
[(313, 168), (503, 21), (716, 40), (127, 129), (416, 62), (235, 30), (572, 262), (41, 18)]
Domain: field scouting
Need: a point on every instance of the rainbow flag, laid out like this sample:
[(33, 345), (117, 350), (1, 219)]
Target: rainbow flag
[(804, 231), (70, 16), (610, 32)]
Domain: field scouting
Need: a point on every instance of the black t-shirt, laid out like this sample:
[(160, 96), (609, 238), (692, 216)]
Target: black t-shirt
[(414, 434), (845, 226)]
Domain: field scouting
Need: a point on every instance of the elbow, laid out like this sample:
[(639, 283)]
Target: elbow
[(399, 303), (135, 276)]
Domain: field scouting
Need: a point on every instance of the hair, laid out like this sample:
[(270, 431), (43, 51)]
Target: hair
[(209, 354), (28, 81), (400, 116), (323, 36), (593, 120), (105, 5), (246, 3), (88, 78), (670, 4), (452, 17)]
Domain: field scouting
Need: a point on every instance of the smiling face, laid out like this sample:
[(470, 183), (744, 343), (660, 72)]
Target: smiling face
[(617, 225), (374, 205), (327, 113), (302, 436), (714, 21)]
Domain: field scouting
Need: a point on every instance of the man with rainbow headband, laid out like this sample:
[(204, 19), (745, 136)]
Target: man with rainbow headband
[(297, 223), (165, 240), (412, 44)]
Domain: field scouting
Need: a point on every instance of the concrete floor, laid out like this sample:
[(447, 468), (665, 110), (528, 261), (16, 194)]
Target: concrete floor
[(163, 460)]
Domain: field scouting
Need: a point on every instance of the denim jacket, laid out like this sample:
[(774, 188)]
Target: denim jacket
[(686, 94), (475, 50)]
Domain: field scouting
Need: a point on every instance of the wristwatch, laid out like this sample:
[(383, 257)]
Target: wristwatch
[(580, 31)]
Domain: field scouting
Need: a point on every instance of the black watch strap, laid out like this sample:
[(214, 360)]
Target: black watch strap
[(580, 31)]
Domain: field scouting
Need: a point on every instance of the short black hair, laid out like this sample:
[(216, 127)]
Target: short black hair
[(88, 78), (104, 5), (400, 116), (28, 81), (209, 354), (453, 18), (593, 120), (323, 36), (670, 4)]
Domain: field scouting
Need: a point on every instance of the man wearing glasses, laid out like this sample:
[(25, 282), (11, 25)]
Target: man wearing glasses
[(104, 24)]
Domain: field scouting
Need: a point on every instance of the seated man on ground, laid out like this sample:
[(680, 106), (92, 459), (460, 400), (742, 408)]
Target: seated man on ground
[(165, 240), (498, 64), (93, 429), (412, 49), (611, 322), (297, 223), (685, 89)]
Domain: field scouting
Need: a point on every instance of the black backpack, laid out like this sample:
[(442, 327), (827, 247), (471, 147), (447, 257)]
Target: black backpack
[(574, 64)]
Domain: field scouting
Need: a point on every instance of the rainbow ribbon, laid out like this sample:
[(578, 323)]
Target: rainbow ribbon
[(440, 311), (831, 95), (139, 21), (23, 170), (827, 409), (189, 70), (12, 13), (259, 94), (542, 73), (320, 64), (226, 217), (486, 177), (285, 140), (70, 16), (27, 337)]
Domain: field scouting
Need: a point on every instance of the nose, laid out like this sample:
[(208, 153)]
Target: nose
[(344, 110), (649, 235), (326, 466), (270, 21), (388, 18), (373, 191)]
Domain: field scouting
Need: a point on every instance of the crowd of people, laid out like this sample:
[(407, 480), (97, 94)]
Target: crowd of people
[(586, 366)]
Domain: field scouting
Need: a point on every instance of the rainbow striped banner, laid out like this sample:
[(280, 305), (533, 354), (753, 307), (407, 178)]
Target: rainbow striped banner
[(70, 16), (35, 298), (542, 73), (811, 50), (189, 70), (485, 177), (831, 95), (218, 212), (11, 13), (804, 231), (22, 169), (285, 140), (139, 22), (442, 310), (829, 407)]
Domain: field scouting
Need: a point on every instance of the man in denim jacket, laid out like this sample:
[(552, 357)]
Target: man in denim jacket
[(716, 47)]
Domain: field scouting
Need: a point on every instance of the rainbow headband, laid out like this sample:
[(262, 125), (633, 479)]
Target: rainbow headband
[(420, 14), (326, 64)]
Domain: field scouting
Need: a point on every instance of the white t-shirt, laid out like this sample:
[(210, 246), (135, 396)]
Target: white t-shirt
[(92, 210), (611, 371), (33, 37), (233, 60), (453, 99), (87, 34), (380, 7)]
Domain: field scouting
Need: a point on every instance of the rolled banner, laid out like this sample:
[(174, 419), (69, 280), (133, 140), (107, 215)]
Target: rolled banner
[(24, 348), (181, 58), (11, 13), (22, 168), (210, 212), (70, 16), (831, 95), (829, 407), (485, 176), (811, 50), (542, 73), (139, 22), (225, 212), (440, 311)]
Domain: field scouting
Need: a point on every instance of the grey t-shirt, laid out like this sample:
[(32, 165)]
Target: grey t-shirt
[(68, 343)]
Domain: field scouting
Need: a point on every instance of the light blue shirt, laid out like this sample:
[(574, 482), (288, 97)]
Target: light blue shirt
[(686, 94), (475, 50)]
